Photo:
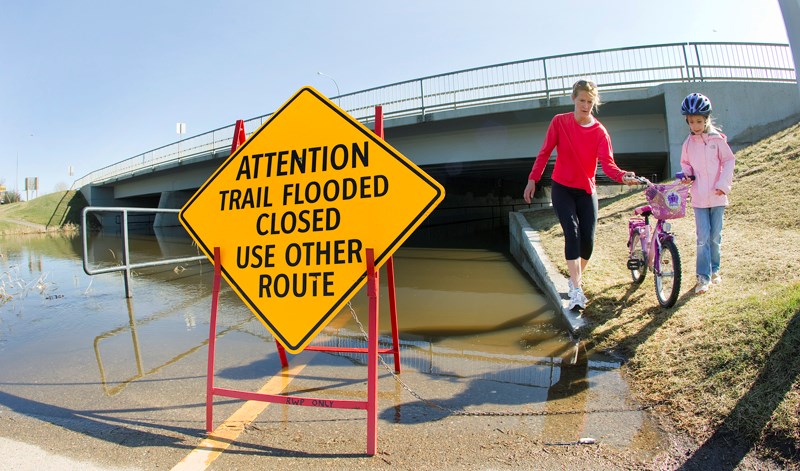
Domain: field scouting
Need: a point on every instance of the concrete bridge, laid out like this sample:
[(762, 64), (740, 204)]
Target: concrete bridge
[(477, 131)]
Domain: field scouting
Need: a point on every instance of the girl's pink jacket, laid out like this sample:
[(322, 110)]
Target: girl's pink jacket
[(709, 158)]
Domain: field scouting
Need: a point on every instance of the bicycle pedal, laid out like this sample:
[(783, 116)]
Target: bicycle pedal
[(635, 264)]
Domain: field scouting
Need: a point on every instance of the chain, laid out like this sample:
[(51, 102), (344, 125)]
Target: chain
[(455, 412)]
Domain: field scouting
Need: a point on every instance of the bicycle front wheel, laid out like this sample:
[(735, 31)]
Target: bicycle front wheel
[(668, 279)]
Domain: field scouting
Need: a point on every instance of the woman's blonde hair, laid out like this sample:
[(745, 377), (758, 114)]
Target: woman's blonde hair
[(589, 87)]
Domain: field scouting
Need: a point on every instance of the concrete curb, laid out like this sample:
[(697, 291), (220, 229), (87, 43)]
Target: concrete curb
[(526, 248)]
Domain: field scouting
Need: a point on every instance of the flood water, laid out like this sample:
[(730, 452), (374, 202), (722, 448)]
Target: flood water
[(462, 299), (462, 312)]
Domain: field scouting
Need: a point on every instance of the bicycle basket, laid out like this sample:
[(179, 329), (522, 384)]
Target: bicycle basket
[(668, 201)]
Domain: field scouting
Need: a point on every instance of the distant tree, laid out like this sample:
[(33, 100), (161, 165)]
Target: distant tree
[(12, 196), (61, 186)]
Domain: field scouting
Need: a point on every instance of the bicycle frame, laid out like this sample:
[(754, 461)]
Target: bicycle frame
[(651, 243)]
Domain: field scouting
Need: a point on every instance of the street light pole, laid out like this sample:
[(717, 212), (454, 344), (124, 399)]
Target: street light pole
[(181, 130), (338, 93)]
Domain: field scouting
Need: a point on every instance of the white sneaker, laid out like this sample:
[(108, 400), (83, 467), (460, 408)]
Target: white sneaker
[(569, 284), (702, 285), (715, 278), (577, 299)]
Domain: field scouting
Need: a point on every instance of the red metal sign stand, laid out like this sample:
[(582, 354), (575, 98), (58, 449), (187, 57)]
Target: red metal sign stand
[(370, 405), (239, 135), (372, 351)]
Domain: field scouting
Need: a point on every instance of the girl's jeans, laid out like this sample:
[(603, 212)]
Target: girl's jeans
[(709, 237)]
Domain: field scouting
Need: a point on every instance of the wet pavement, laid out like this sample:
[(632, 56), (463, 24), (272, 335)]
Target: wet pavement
[(487, 369)]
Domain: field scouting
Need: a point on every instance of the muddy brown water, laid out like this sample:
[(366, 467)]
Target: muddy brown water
[(469, 319)]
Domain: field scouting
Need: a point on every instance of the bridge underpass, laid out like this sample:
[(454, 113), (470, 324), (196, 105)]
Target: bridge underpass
[(482, 160)]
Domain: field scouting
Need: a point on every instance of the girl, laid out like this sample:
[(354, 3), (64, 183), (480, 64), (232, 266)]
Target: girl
[(707, 157), (580, 141)]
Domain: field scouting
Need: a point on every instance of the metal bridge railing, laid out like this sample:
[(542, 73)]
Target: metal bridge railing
[(539, 78)]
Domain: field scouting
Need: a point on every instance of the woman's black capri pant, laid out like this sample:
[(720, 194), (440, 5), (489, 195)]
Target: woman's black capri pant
[(577, 213)]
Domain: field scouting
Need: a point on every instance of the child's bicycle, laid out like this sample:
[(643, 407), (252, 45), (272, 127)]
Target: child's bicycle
[(654, 247)]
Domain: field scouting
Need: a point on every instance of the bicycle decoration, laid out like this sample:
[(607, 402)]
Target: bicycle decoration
[(668, 201)]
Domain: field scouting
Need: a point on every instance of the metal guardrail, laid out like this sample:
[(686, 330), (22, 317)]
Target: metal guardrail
[(125, 265), (539, 78)]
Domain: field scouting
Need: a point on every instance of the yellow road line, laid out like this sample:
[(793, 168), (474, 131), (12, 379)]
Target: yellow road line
[(223, 436)]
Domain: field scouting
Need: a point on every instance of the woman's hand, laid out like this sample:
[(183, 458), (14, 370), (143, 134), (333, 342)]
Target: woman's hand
[(530, 189), (629, 178)]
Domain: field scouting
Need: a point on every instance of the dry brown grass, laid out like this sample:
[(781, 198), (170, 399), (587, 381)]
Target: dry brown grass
[(730, 357)]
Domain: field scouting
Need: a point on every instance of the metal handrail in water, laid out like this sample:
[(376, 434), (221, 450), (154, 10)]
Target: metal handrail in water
[(126, 266)]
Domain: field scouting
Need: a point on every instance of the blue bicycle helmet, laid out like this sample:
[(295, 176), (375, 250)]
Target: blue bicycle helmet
[(696, 104)]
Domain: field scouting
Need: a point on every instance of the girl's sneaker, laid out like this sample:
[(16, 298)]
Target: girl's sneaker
[(702, 285), (716, 279)]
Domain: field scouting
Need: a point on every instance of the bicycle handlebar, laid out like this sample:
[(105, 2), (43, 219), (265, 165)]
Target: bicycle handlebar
[(645, 181)]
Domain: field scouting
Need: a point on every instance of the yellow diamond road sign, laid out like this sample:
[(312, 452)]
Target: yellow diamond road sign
[(294, 209)]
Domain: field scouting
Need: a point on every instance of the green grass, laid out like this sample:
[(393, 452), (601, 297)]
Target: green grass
[(55, 211), (728, 359)]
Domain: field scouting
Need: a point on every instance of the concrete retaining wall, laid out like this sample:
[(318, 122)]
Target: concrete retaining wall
[(526, 248)]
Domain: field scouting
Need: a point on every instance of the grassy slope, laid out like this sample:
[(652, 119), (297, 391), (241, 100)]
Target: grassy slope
[(54, 210), (729, 359)]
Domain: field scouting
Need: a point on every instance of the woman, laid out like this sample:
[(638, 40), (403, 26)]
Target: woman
[(580, 141)]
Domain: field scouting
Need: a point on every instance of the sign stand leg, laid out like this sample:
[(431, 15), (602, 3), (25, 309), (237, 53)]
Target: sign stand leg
[(373, 290), (212, 344), (282, 354), (389, 266), (393, 313)]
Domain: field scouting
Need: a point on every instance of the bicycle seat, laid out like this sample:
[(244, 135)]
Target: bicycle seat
[(645, 210)]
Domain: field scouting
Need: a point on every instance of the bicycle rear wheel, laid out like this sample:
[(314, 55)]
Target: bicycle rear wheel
[(637, 254), (668, 280)]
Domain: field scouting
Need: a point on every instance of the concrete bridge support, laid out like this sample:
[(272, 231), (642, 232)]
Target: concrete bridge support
[(791, 18), (171, 200)]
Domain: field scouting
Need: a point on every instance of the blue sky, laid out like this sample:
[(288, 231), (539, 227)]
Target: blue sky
[(89, 83)]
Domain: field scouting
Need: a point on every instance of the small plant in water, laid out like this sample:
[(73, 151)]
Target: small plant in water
[(11, 286), (4, 297)]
